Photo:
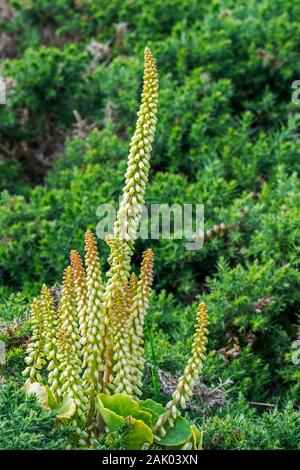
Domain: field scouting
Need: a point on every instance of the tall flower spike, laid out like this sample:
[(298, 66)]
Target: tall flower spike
[(35, 350), (114, 305), (69, 350), (139, 307), (94, 347), (130, 209), (50, 320), (186, 382), (129, 213), (80, 285)]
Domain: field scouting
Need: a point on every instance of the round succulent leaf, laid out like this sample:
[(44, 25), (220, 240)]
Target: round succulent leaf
[(177, 435), (152, 406), (112, 420), (124, 405), (139, 434)]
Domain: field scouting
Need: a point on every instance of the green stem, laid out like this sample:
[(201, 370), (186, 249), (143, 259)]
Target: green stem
[(154, 374)]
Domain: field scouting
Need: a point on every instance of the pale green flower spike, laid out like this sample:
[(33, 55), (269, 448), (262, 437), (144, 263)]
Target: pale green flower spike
[(186, 382), (69, 352), (136, 177), (93, 350), (35, 349), (50, 320), (127, 371), (114, 305), (139, 306), (80, 285)]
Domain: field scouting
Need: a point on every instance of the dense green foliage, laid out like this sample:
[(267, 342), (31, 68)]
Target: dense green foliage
[(25, 425), (273, 430), (227, 137)]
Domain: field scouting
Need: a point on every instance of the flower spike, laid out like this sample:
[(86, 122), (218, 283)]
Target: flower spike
[(129, 213), (94, 348), (186, 382), (80, 285), (51, 329), (35, 350), (139, 307), (70, 350)]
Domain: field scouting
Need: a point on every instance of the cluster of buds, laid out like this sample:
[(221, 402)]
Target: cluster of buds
[(80, 287), (128, 217), (187, 381), (114, 305)]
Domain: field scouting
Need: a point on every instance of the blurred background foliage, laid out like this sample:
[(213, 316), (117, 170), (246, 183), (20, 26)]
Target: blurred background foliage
[(227, 137)]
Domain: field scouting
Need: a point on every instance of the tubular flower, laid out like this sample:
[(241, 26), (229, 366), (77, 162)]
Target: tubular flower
[(132, 286), (186, 382), (130, 293), (35, 350), (136, 176), (50, 331), (69, 347), (94, 348), (80, 285), (139, 307)]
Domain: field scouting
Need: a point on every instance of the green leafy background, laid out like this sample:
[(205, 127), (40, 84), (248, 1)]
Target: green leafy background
[(227, 137)]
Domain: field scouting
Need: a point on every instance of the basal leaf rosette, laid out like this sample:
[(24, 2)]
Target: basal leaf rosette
[(120, 408), (141, 415)]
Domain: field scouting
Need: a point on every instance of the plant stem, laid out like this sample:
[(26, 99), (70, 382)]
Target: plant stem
[(154, 374)]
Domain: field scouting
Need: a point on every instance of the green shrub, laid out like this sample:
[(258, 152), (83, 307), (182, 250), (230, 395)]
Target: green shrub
[(25, 425), (247, 431)]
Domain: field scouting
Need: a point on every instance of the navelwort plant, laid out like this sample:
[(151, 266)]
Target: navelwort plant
[(85, 358)]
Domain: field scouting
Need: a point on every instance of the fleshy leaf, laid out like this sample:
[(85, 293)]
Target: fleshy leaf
[(124, 405), (112, 420), (152, 406), (52, 402), (178, 435), (196, 437), (139, 433), (66, 408)]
